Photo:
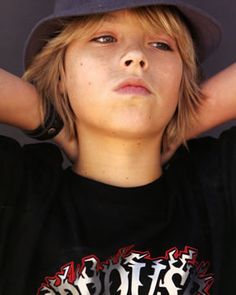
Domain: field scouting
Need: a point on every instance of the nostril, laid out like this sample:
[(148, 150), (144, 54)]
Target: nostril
[(128, 62), (142, 63)]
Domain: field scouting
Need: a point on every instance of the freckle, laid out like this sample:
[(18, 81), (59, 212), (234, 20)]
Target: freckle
[(81, 64), (127, 178), (89, 83), (150, 117)]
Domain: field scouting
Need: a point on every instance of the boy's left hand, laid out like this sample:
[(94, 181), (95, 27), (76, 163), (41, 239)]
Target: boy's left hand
[(69, 146)]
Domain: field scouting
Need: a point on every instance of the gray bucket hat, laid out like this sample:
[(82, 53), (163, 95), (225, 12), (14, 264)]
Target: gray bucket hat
[(206, 31)]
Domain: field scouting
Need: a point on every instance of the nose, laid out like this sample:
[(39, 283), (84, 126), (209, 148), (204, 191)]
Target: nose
[(134, 59)]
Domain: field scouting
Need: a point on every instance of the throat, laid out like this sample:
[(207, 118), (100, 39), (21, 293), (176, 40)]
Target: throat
[(120, 164)]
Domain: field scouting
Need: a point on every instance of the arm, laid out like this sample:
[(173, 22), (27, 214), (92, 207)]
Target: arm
[(19, 102), (219, 105), (20, 107)]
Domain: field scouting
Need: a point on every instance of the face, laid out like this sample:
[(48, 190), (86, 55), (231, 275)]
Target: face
[(122, 79)]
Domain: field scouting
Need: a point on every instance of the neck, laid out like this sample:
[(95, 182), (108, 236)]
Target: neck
[(119, 162)]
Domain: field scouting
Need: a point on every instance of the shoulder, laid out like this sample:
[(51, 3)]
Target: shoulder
[(44, 154), (12, 153), (27, 170), (205, 171), (218, 153), (226, 141), (208, 148), (207, 160)]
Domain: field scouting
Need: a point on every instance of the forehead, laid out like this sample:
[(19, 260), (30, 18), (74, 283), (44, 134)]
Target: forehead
[(124, 18), (117, 16), (154, 18)]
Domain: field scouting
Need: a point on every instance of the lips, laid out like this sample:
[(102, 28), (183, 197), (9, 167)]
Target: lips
[(134, 86)]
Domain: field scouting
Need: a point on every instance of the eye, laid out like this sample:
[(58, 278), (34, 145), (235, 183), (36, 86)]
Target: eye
[(162, 46), (104, 39)]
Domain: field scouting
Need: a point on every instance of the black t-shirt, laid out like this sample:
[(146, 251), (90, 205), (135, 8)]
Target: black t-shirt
[(61, 233)]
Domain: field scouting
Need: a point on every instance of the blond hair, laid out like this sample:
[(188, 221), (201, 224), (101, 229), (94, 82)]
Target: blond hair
[(48, 68)]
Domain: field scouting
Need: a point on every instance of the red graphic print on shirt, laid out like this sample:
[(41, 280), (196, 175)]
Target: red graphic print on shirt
[(131, 272)]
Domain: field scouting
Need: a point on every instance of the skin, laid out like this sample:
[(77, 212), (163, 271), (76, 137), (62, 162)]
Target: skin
[(120, 129), (18, 98), (218, 106)]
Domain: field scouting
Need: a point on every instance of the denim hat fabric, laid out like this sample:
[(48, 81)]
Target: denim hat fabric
[(206, 30)]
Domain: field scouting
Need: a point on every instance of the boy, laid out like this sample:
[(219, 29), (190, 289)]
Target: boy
[(125, 83)]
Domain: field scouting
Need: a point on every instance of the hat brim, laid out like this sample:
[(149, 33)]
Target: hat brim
[(207, 31)]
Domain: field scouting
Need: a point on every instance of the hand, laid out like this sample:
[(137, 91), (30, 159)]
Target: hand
[(166, 155), (69, 146)]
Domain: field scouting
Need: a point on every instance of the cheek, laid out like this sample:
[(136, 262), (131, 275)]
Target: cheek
[(173, 71), (84, 87), (169, 76), (168, 83), (79, 81), (87, 72), (173, 76)]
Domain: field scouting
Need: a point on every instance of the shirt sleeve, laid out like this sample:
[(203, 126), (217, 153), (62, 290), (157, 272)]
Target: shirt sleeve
[(208, 169), (214, 159), (25, 170), (29, 177), (10, 171), (227, 164)]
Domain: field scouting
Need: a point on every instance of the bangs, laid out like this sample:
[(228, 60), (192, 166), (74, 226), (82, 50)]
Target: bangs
[(162, 18), (73, 28), (167, 19)]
